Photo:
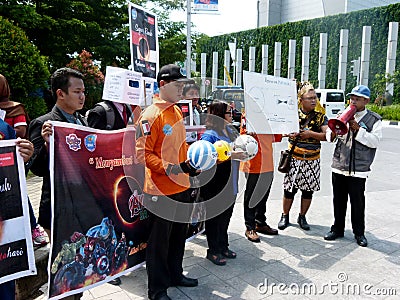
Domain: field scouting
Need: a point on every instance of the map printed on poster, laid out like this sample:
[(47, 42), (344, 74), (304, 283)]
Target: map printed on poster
[(144, 41), (271, 104), (123, 86)]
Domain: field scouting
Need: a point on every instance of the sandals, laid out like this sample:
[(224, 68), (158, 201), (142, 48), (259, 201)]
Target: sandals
[(216, 259), (229, 254)]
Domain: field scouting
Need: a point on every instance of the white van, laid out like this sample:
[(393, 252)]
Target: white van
[(333, 101)]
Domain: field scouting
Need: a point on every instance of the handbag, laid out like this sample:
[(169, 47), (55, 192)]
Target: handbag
[(286, 155)]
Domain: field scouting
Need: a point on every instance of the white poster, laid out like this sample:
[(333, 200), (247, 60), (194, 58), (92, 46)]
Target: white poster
[(123, 86), (271, 104)]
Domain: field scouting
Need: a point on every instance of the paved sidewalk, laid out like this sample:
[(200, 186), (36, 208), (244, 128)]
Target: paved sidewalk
[(296, 263)]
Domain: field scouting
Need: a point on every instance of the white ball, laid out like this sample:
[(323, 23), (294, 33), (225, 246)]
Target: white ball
[(247, 144), (202, 155)]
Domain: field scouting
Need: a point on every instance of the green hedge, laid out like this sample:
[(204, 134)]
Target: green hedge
[(391, 112), (377, 18)]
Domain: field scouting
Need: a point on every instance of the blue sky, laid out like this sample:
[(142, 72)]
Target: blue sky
[(233, 16)]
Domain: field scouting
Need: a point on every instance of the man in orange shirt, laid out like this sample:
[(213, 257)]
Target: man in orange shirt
[(161, 147), (259, 173)]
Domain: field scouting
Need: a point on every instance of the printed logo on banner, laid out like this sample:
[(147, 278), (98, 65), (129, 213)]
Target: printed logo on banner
[(90, 142), (73, 142), (167, 129), (135, 203), (6, 159), (134, 14)]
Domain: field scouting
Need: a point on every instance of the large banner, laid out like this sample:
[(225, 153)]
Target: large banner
[(144, 41), (16, 249), (99, 229)]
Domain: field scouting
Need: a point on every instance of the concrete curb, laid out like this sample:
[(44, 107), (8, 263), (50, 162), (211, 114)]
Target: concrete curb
[(387, 123)]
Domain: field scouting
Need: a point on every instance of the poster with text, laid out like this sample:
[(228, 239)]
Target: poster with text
[(144, 41), (16, 248), (123, 86), (270, 104), (99, 229)]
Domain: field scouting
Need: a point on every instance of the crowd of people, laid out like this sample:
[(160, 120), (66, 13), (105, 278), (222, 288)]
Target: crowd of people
[(161, 147)]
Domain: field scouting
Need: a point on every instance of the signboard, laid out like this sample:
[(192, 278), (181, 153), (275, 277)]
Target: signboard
[(123, 86), (271, 104), (205, 5), (144, 41)]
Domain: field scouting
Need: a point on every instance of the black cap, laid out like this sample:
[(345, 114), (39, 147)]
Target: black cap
[(172, 72)]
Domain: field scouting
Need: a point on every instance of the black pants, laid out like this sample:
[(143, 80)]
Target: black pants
[(258, 187), (165, 250), (217, 231), (345, 187)]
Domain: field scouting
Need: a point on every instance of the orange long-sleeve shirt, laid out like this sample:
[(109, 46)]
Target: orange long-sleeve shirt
[(161, 140)]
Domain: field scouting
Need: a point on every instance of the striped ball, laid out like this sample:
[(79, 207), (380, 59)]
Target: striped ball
[(202, 155)]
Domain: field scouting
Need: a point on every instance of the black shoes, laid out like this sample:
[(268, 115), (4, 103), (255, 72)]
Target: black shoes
[(266, 229), (331, 236), (284, 222), (116, 281), (301, 220), (361, 240), (161, 296), (187, 282)]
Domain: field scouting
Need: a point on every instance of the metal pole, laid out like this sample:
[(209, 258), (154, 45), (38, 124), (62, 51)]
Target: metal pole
[(323, 47), (277, 59), (264, 68), (365, 55), (252, 59), (188, 40), (292, 59), (344, 45), (305, 59), (391, 53)]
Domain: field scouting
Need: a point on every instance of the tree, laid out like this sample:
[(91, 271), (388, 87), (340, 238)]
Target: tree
[(93, 77), (61, 28), (23, 66)]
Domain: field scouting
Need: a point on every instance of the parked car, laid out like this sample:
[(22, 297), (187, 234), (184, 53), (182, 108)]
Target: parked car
[(332, 100), (234, 95)]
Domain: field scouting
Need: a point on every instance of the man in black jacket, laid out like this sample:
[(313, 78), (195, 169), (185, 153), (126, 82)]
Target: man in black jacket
[(68, 90)]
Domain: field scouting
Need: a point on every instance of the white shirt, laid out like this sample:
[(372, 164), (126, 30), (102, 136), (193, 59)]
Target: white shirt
[(369, 139)]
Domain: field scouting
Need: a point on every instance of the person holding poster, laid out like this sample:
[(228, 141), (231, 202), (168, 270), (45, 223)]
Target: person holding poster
[(259, 173), (25, 148), (161, 147), (304, 171), (68, 89)]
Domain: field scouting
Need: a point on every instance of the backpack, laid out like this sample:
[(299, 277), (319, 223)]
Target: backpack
[(110, 117)]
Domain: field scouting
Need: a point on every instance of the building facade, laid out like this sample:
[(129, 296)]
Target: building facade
[(272, 12)]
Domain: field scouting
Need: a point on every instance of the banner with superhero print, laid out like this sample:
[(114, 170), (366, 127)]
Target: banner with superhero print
[(99, 229), (16, 249), (144, 41)]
